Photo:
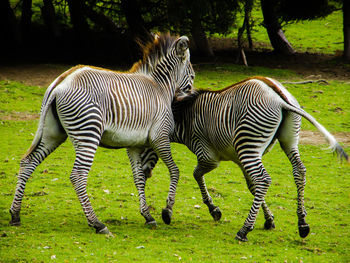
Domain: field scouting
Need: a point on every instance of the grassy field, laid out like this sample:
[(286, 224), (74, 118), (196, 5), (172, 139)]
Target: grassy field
[(317, 36), (54, 227)]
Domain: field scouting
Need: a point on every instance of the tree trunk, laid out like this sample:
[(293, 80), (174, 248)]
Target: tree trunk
[(102, 20), (277, 38), (135, 21), (77, 15), (197, 31), (248, 6), (8, 26), (49, 17), (26, 19), (246, 26), (346, 29), (198, 34)]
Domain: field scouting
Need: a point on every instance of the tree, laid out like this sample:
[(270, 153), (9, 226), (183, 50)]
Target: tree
[(135, 21), (197, 30), (202, 17), (274, 30), (49, 17), (281, 12), (77, 9), (346, 29), (123, 21), (26, 19), (8, 26), (248, 6)]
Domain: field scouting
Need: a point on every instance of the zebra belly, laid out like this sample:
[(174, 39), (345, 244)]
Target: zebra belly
[(228, 154), (124, 138)]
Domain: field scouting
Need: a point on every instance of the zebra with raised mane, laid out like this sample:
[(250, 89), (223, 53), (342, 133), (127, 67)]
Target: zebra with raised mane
[(241, 123), (99, 107)]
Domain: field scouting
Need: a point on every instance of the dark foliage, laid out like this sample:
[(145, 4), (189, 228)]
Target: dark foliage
[(88, 30), (296, 10)]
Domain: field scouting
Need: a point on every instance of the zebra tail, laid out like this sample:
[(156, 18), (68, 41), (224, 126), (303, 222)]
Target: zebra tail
[(334, 145), (46, 103)]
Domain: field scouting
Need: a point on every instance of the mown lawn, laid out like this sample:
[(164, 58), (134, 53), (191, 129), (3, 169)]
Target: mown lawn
[(54, 227)]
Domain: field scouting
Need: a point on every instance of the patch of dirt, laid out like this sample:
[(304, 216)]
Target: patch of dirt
[(32, 74), (316, 138), (19, 116)]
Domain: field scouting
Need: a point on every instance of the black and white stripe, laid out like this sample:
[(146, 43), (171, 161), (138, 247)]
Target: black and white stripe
[(241, 123), (98, 107)]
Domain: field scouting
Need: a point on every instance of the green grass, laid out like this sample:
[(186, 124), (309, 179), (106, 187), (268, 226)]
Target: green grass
[(54, 227), (316, 36)]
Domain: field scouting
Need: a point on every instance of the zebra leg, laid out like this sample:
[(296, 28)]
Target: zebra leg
[(288, 137), (140, 182), (52, 136), (84, 126), (162, 146), (78, 177), (261, 181), (299, 173), (198, 174), (27, 167), (269, 218), (149, 159)]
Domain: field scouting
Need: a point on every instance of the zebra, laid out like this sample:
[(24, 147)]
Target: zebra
[(100, 107), (241, 123)]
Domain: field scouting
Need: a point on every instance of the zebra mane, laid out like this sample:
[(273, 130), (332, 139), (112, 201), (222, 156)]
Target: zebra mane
[(179, 106), (153, 52)]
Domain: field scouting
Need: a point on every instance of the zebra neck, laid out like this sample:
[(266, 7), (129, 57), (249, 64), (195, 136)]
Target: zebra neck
[(180, 133), (183, 123), (165, 84), (191, 115)]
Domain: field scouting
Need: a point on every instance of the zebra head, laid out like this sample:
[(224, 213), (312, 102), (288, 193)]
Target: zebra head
[(167, 61), (186, 73), (185, 88)]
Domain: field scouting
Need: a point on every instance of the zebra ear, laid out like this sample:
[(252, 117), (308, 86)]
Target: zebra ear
[(181, 46), (155, 35)]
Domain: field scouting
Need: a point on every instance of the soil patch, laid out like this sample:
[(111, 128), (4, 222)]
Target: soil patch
[(316, 138), (32, 74), (19, 116)]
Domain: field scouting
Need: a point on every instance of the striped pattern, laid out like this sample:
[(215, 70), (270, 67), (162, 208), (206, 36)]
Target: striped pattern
[(241, 123), (99, 107)]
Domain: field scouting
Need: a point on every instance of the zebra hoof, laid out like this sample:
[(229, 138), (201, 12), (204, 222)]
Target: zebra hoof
[(304, 230), (15, 219), (241, 237), (100, 228), (151, 224), (216, 213), (166, 215), (269, 224), (103, 231), (243, 232)]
